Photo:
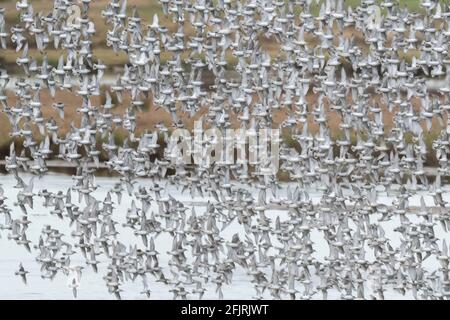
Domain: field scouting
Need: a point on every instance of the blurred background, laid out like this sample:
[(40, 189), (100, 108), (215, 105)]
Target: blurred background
[(150, 115), (146, 9)]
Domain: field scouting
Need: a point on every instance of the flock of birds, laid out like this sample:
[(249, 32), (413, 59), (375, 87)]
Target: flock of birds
[(354, 66)]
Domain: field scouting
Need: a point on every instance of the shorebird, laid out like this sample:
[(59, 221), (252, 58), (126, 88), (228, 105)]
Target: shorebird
[(359, 123)]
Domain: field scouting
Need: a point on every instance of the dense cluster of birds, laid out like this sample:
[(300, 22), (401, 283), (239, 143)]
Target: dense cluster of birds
[(364, 68)]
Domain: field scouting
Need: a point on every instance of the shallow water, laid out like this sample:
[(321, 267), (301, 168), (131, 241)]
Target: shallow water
[(92, 284)]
